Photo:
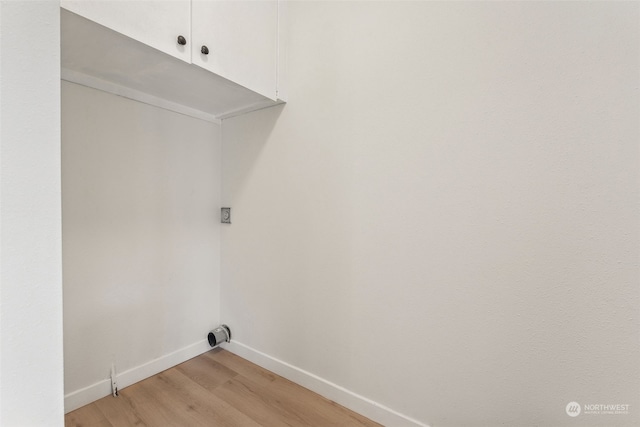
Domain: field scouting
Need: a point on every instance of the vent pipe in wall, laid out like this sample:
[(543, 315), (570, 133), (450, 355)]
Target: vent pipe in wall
[(219, 335)]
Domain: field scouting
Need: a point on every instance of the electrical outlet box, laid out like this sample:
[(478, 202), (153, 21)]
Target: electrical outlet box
[(225, 215)]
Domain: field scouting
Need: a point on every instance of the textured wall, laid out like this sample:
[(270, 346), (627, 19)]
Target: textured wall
[(30, 273), (141, 239), (444, 217)]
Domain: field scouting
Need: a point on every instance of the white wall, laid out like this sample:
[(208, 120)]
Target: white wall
[(30, 251), (141, 238), (444, 217)]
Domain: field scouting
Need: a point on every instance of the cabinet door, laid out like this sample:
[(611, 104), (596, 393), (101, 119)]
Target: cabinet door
[(242, 39), (156, 23)]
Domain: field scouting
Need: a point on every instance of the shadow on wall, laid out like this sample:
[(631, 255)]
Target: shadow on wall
[(260, 124)]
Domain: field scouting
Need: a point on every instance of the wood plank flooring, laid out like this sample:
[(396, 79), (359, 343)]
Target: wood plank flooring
[(217, 388)]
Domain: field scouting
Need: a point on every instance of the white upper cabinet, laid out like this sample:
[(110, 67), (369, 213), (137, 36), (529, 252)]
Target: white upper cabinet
[(241, 38), (107, 44), (156, 23)]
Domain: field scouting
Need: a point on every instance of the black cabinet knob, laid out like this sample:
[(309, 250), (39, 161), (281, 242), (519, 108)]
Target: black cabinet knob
[(204, 50), (182, 41)]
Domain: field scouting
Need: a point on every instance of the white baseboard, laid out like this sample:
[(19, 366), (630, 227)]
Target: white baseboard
[(84, 396), (360, 404)]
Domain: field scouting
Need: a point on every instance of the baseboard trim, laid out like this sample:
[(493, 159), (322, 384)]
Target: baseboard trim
[(84, 396), (360, 404)]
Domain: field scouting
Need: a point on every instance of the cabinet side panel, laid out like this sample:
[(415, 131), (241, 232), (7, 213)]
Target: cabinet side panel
[(281, 72)]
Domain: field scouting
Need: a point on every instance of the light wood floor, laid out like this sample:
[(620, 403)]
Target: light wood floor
[(217, 388)]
